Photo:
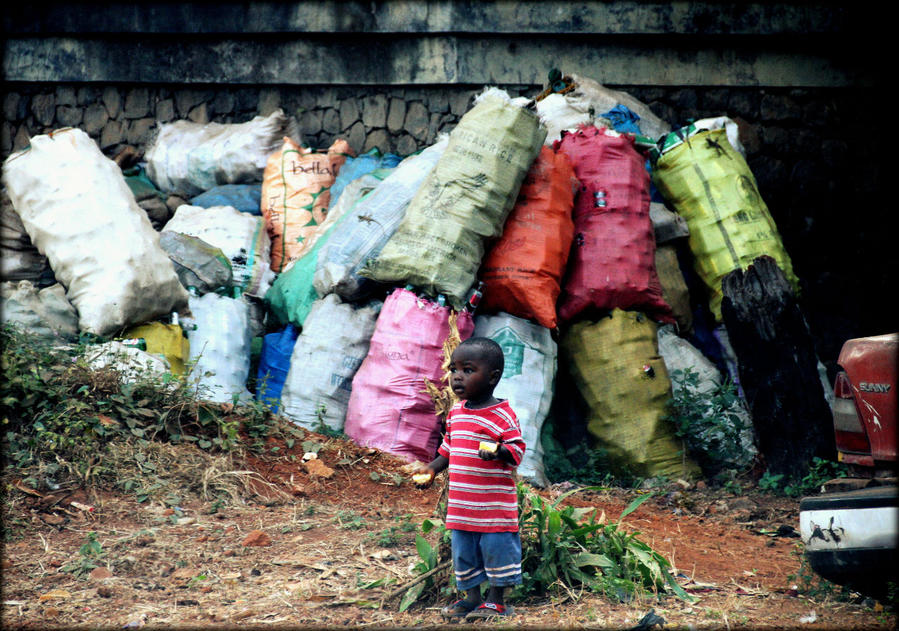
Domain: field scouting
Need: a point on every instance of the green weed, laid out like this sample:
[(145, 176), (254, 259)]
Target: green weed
[(566, 550), (820, 471), (90, 556), (61, 415), (567, 547), (707, 421), (429, 558), (348, 520), (813, 586)]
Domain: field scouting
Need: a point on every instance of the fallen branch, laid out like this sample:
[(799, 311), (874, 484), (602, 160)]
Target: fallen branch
[(401, 590)]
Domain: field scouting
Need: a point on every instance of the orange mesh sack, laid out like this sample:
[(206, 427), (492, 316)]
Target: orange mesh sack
[(523, 270), (296, 191)]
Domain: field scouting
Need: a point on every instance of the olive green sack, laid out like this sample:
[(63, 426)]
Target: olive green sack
[(616, 367), (463, 202), (706, 181)]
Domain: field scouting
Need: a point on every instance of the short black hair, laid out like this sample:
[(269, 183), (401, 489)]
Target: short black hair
[(489, 350)]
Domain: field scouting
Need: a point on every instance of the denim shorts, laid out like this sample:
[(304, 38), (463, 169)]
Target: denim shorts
[(490, 556)]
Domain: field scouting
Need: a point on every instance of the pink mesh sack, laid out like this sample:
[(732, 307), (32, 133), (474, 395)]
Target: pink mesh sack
[(612, 260), (389, 408)]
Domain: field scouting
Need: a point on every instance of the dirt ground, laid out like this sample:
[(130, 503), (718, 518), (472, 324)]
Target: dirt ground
[(329, 542)]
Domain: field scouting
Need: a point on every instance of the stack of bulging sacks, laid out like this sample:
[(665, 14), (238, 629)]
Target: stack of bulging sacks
[(594, 236)]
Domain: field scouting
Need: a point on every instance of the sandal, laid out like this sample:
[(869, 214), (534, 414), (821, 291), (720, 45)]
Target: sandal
[(487, 611), (458, 610)]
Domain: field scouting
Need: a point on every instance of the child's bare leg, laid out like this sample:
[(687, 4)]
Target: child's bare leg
[(495, 594), (473, 596)]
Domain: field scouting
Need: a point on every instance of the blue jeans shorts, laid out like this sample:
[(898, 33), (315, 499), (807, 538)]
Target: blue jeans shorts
[(490, 556)]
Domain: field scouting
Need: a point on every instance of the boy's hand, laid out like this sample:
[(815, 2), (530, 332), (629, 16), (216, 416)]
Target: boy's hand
[(488, 450), (423, 478)]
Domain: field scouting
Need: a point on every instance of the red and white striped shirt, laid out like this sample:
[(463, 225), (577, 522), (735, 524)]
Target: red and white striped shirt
[(482, 493)]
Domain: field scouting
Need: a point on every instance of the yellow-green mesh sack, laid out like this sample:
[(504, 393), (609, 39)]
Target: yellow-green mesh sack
[(616, 367), (464, 201), (674, 287), (165, 340), (708, 182)]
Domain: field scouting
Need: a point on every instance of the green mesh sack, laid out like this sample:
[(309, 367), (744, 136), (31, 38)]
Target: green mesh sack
[(463, 202), (293, 293), (709, 184), (616, 367)]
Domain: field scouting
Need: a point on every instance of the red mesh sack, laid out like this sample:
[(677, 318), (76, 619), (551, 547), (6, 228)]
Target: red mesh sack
[(612, 260), (523, 270)]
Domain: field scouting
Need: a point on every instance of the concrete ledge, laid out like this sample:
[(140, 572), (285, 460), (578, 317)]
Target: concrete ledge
[(417, 60), (629, 17)]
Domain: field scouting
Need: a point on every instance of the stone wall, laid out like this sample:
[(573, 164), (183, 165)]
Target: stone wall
[(822, 184), (400, 120)]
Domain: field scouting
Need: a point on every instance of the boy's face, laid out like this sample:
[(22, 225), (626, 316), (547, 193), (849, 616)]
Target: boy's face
[(471, 375)]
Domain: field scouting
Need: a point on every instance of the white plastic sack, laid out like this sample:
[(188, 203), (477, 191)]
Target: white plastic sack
[(79, 212), (46, 313), (18, 265), (19, 259), (531, 360), (131, 363), (191, 158), (369, 225), (241, 237), (567, 111), (326, 356), (220, 338), (679, 355)]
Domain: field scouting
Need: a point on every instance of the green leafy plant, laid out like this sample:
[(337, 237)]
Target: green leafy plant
[(393, 536), (348, 520), (820, 471), (90, 556), (813, 586), (706, 420), (580, 464), (58, 411), (565, 547), (429, 560), (323, 428), (770, 482)]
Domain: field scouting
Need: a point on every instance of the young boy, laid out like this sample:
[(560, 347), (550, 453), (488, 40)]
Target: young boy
[(482, 446)]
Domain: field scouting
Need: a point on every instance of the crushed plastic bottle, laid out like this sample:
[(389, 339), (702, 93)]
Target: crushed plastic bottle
[(474, 298), (135, 342)]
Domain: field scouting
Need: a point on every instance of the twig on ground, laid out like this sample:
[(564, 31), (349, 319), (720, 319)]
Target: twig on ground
[(401, 590)]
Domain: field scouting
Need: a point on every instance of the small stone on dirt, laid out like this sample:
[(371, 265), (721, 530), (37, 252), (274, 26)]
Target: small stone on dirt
[(99, 573), (55, 594), (742, 503), (53, 519), (318, 468), (241, 615), (184, 573), (257, 538)]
